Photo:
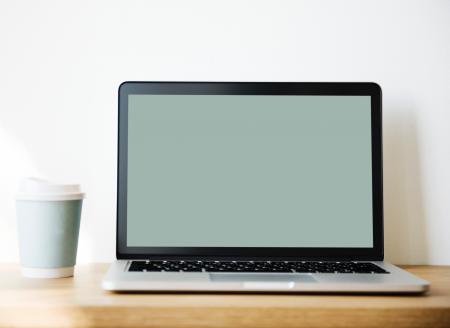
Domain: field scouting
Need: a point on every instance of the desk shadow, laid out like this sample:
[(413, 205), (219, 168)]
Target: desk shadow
[(404, 215)]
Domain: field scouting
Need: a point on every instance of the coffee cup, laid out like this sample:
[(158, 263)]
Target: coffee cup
[(48, 216)]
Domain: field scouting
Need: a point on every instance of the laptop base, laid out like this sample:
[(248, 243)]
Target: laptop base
[(119, 279)]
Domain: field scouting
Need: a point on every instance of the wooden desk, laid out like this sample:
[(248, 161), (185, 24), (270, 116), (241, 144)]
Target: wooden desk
[(79, 301)]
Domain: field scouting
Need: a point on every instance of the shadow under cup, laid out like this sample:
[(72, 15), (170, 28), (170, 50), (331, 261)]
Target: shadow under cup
[(48, 236)]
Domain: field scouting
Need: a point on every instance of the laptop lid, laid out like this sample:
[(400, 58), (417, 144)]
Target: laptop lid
[(243, 170)]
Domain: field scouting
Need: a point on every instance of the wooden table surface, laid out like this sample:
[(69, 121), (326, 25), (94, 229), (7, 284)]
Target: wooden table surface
[(80, 302)]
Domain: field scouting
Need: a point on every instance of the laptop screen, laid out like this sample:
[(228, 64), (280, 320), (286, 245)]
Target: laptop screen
[(249, 171)]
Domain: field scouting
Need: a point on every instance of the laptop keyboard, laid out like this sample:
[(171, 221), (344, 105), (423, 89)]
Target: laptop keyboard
[(255, 266)]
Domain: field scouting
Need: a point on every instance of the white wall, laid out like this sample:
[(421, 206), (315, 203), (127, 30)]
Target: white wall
[(61, 63)]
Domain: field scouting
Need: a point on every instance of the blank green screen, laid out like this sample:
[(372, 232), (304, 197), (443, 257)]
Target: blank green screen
[(249, 171)]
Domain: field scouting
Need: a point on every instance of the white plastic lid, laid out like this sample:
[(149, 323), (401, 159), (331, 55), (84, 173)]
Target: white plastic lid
[(39, 189)]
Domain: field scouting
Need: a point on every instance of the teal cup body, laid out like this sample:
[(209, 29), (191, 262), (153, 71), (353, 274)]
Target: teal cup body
[(48, 232), (48, 222)]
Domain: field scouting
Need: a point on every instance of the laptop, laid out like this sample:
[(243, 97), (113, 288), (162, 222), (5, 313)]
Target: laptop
[(251, 187)]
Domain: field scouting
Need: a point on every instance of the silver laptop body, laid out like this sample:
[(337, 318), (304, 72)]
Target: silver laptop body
[(397, 281), (251, 187)]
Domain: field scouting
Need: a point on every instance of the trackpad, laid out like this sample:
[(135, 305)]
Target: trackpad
[(261, 277)]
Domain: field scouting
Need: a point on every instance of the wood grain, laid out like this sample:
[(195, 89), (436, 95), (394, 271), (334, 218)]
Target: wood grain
[(80, 302)]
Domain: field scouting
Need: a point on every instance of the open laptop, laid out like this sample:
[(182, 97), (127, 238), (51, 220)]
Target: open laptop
[(251, 187)]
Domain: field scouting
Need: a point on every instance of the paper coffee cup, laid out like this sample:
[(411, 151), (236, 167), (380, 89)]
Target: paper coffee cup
[(48, 216)]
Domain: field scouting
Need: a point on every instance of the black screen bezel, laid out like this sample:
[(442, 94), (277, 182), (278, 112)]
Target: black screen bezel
[(375, 253)]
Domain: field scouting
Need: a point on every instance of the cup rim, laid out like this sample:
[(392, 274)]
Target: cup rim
[(51, 197)]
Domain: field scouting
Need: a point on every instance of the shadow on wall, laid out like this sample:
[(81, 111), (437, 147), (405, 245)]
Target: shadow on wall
[(404, 215), (23, 160), (16, 163)]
